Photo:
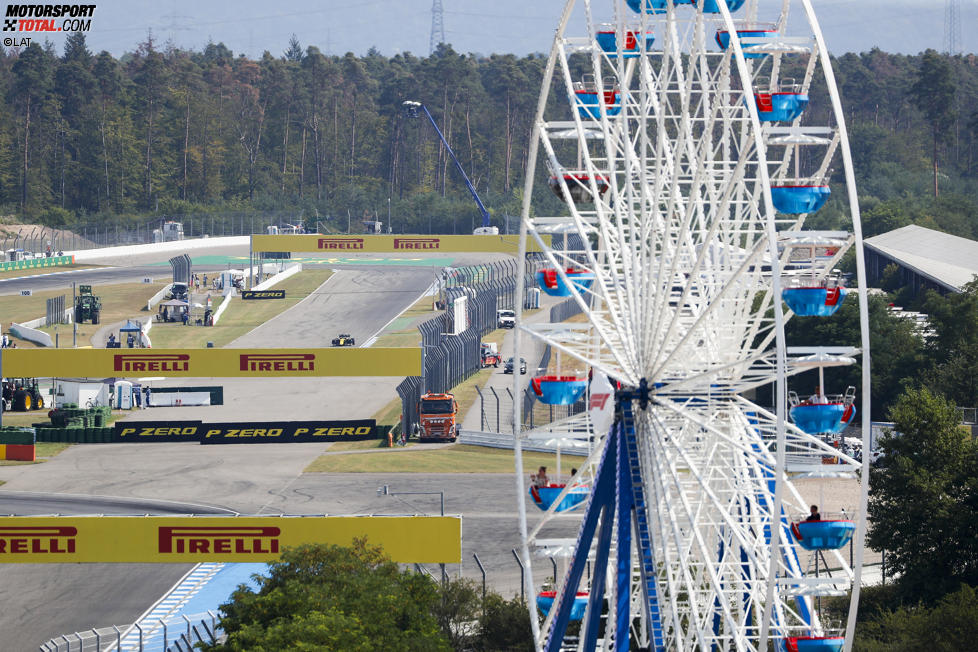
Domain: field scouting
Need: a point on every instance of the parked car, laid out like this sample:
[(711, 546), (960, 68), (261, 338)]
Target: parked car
[(505, 319), (508, 369)]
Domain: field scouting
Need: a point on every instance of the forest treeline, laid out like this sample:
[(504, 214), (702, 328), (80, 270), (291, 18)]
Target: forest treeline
[(88, 137)]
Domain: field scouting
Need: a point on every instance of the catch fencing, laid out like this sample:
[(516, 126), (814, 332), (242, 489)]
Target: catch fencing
[(181, 266), (496, 407), (177, 634), (449, 359), (55, 313)]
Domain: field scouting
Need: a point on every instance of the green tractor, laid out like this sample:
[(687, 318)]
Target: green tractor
[(87, 305), (22, 395)]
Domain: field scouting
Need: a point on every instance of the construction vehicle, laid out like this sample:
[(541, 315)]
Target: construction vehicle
[(412, 110), (22, 395), (87, 305), (490, 355), (437, 415)]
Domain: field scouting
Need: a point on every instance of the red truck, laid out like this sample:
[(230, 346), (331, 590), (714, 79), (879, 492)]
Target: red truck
[(490, 355), (437, 415)]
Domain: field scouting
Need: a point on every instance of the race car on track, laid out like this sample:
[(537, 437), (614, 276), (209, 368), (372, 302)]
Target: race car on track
[(343, 339)]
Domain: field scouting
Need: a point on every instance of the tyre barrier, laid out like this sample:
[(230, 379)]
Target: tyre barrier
[(82, 435)]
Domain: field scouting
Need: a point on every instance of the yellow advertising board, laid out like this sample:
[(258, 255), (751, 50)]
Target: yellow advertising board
[(215, 363), (167, 539), (391, 244)]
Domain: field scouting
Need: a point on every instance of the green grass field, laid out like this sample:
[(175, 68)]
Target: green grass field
[(119, 301), (452, 459), (240, 316)]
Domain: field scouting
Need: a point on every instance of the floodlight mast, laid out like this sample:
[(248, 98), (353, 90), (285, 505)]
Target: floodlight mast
[(412, 110)]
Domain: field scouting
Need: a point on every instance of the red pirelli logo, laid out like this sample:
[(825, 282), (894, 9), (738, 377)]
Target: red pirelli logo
[(151, 362), (37, 540), (340, 243), (416, 243), (220, 540), (278, 362)]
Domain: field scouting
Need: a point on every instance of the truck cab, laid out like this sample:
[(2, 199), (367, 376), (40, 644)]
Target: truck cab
[(437, 414)]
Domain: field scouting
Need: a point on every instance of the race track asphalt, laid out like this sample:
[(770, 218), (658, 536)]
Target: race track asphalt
[(40, 601)]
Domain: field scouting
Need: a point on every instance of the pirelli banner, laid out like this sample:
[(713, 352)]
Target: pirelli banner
[(211, 363), (269, 432), (191, 539), (249, 295), (391, 244)]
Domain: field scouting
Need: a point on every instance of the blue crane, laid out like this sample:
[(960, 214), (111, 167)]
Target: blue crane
[(412, 110)]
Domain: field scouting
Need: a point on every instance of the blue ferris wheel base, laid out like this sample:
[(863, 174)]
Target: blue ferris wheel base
[(618, 490)]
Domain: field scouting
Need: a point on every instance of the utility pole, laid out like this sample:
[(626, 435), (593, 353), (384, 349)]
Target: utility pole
[(437, 26), (74, 322), (952, 27)]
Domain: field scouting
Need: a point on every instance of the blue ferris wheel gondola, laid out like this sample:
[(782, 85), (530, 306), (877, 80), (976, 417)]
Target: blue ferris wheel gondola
[(812, 644), (558, 390), (608, 42), (822, 418), (814, 301), (660, 6), (780, 107), (796, 200), (723, 39), (544, 497), (589, 107), (823, 535), (551, 282), (545, 600)]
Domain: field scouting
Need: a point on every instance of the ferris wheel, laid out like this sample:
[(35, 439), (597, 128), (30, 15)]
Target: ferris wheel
[(689, 142)]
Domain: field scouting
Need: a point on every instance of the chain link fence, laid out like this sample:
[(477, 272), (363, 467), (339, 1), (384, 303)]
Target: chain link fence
[(449, 359)]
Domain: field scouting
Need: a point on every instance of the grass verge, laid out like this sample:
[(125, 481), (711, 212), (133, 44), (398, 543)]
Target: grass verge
[(119, 301), (240, 317), (404, 329), (451, 459)]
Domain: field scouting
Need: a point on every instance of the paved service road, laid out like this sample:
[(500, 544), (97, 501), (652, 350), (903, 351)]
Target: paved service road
[(41, 601)]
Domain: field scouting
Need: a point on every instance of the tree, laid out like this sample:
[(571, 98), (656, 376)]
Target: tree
[(923, 506), (504, 625), (947, 627), (325, 597), (953, 351), (933, 93)]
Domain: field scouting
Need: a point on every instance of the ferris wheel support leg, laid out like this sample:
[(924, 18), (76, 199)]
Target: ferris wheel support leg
[(601, 501), (625, 501)]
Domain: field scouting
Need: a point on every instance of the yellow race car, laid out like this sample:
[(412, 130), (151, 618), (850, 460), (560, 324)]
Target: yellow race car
[(344, 339)]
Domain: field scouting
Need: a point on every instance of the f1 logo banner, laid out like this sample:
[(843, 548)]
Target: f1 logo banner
[(247, 295), (183, 539), (211, 363), (392, 244)]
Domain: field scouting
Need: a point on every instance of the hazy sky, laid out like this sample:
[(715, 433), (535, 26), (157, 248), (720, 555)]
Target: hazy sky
[(517, 26)]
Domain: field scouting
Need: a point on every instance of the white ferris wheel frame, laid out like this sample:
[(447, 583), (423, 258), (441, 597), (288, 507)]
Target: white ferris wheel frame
[(780, 362)]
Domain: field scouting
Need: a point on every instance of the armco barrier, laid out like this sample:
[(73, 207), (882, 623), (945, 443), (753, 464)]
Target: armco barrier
[(34, 263), (31, 334)]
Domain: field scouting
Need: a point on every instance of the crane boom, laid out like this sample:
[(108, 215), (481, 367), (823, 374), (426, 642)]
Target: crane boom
[(412, 108)]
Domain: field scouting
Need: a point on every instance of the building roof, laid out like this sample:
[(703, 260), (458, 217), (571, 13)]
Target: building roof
[(945, 259)]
